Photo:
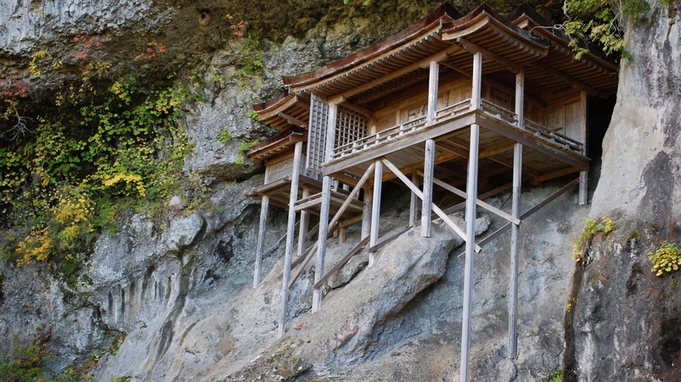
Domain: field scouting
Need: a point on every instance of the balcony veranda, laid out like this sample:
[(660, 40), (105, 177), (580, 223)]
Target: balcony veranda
[(547, 153)]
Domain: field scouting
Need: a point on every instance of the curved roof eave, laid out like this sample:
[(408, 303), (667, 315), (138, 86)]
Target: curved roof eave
[(476, 19), (445, 10)]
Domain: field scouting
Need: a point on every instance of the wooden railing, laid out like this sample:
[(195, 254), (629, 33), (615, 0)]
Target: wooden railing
[(382, 137), (552, 136), (452, 112), (499, 112)]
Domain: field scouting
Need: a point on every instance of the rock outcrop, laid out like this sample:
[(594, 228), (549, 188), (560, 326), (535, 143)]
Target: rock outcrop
[(624, 323)]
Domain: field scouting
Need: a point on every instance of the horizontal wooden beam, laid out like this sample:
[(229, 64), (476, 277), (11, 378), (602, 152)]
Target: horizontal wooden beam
[(553, 175)]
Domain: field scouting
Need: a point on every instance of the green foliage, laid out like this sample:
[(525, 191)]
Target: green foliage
[(27, 364), (556, 376), (603, 225), (225, 136), (253, 115), (601, 22), (116, 344), (243, 149), (122, 378), (105, 146), (666, 259)]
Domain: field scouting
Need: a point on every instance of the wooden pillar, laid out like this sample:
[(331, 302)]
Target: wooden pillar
[(427, 206), (304, 224), (413, 205), (476, 90), (584, 137), (290, 233), (323, 236), (376, 209), (520, 99), (515, 248), (515, 229), (432, 92), (260, 247), (366, 212), (324, 209), (472, 195)]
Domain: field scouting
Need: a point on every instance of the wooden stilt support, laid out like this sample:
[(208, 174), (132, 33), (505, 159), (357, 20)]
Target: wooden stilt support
[(428, 169), (323, 235), (376, 209), (260, 247), (327, 182), (438, 211), (413, 205), (366, 213), (472, 192), (515, 228), (515, 247), (584, 137), (304, 222), (288, 255)]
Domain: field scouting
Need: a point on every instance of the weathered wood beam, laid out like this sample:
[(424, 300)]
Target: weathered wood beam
[(416, 166), (260, 246), (291, 120), (527, 214), (303, 226), (339, 265), (488, 194), (395, 74), (487, 55), (479, 202), (419, 193), (427, 174), (376, 208), (365, 112), (584, 137), (552, 175), (496, 150), (288, 255), (433, 80), (413, 207)]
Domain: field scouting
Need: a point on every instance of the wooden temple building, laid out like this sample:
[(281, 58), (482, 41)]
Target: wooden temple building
[(478, 101)]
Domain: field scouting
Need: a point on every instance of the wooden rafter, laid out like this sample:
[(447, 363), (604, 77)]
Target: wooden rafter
[(572, 81), (393, 75), (487, 55)]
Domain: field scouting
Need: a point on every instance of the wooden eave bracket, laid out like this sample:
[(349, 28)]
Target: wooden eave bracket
[(487, 55)]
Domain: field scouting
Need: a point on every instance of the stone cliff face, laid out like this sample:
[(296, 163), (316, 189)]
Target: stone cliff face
[(624, 324), (179, 287)]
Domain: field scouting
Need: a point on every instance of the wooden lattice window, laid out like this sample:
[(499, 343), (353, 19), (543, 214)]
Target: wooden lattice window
[(350, 127), (316, 141)]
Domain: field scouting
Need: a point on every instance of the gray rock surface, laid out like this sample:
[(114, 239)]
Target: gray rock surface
[(624, 323)]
